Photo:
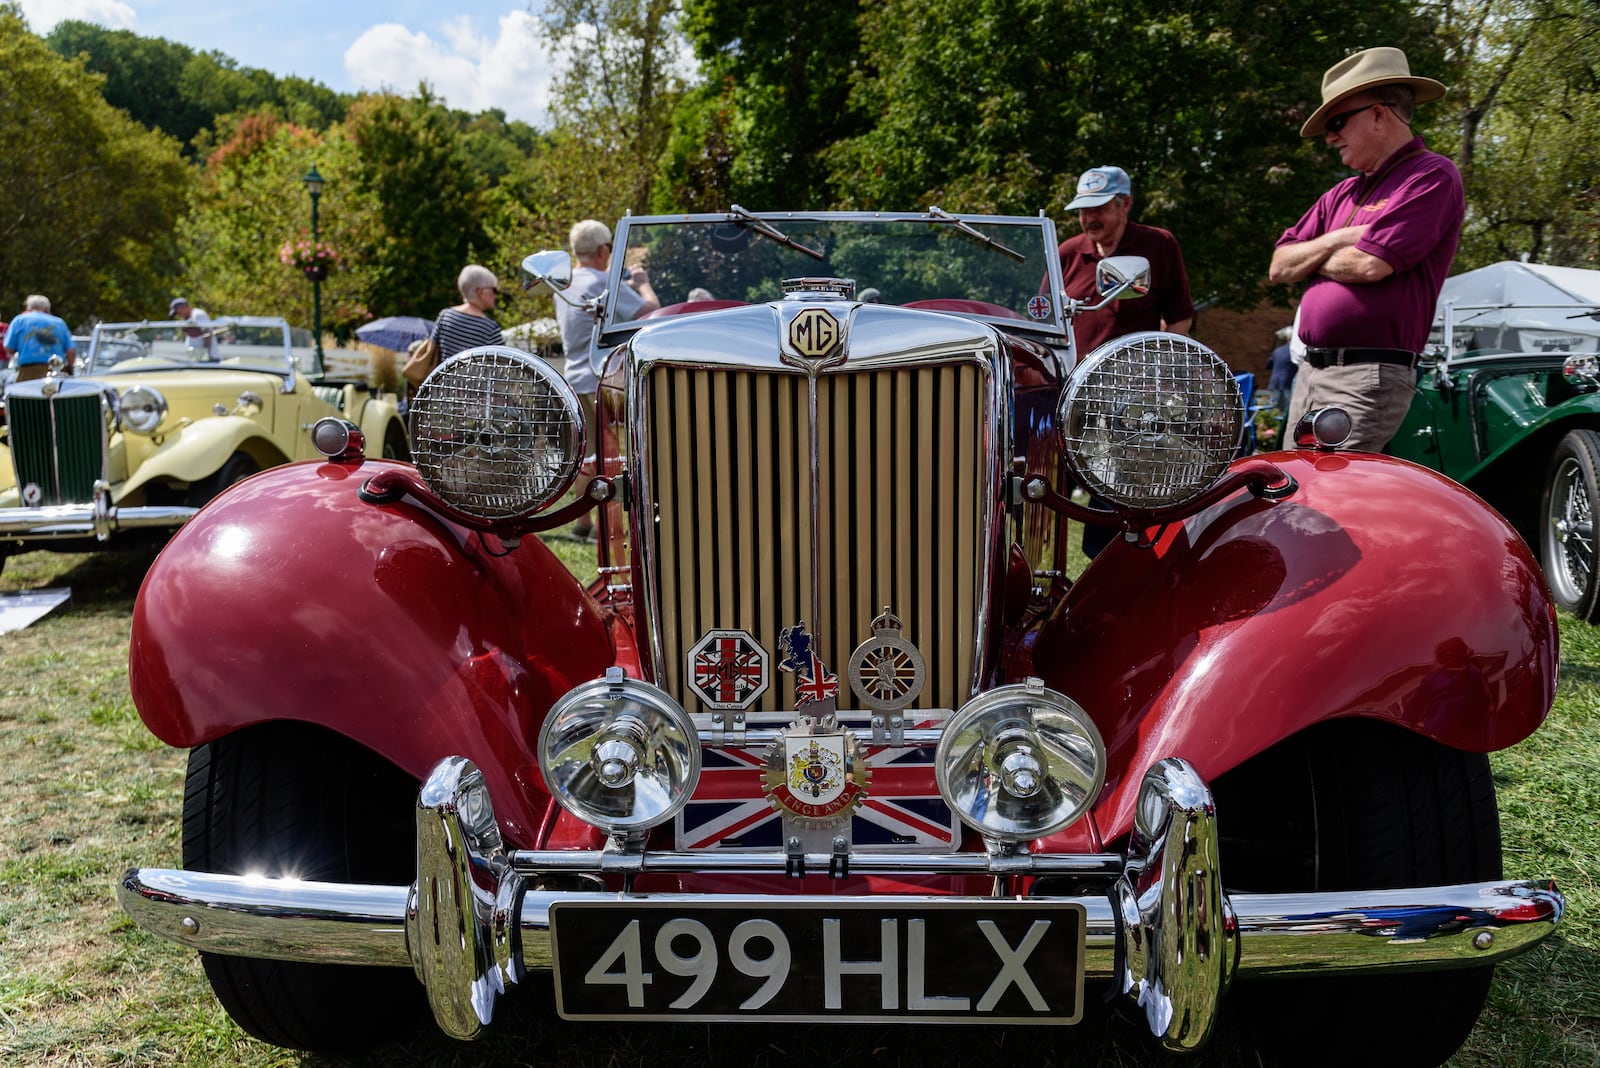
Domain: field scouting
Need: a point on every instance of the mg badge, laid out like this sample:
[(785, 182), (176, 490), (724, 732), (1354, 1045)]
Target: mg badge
[(886, 671), (816, 771), (816, 340), (727, 669)]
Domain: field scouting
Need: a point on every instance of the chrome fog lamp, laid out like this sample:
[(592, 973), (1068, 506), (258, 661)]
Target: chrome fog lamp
[(620, 754), (1020, 762), (141, 409), (1150, 420), (496, 433)]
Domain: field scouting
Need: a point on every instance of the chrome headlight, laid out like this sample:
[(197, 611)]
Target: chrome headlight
[(496, 433), (140, 410), (1150, 420), (1020, 762), (620, 754)]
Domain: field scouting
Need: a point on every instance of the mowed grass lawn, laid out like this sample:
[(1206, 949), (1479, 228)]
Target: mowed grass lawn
[(87, 793)]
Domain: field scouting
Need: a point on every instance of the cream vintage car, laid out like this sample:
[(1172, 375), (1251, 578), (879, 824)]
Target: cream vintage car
[(159, 418)]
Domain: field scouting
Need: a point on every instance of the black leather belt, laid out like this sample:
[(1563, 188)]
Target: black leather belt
[(1320, 358)]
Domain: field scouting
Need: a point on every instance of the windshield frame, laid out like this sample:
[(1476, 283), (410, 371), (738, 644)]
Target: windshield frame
[(1052, 328), (282, 358)]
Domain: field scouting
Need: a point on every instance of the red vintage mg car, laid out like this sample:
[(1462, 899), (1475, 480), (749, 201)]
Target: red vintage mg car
[(835, 736)]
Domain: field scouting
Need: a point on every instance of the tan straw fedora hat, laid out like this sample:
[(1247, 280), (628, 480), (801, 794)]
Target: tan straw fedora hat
[(1364, 70)]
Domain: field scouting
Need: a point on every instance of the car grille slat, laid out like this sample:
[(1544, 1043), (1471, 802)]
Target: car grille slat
[(900, 498), (58, 444)]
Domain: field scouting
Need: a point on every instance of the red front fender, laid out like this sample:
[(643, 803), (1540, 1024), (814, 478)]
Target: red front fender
[(1379, 589), (291, 598)]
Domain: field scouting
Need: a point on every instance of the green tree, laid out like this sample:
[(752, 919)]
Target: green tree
[(1000, 104), (168, 86), (775, 83), (251, 199), (612, 102), (1527, 102), (411, 161), (88, 198)]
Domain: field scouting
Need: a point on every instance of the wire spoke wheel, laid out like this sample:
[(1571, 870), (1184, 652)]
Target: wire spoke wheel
[(1567, 521)]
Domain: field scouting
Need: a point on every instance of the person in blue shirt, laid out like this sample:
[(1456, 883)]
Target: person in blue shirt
[(35, 336), (1281, 368)]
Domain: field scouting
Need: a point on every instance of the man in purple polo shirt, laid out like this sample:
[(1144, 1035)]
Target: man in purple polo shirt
[(1104, 202), (1376, 247)]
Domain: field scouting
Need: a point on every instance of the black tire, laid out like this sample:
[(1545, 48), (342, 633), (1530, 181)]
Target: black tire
[(1566, 524), (236, 468), (1347, 806), (294, 799), (396, 446)]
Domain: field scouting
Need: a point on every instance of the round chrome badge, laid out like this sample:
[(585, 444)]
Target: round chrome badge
[(817, 771), (32, 495), (886, 671)]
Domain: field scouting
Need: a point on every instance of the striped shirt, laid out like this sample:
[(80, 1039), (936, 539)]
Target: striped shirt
[(456, 331)]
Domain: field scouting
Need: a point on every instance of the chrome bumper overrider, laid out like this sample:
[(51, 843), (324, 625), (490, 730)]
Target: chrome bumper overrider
[(477, 919), (98, 519)]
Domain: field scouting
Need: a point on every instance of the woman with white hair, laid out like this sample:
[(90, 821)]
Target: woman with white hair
[(467, 325)]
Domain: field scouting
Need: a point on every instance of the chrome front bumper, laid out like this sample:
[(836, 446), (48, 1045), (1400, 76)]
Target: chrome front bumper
[(98, 519), (478, 919)]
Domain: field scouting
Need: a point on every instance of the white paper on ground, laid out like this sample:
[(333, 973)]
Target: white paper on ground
[(18, 610)]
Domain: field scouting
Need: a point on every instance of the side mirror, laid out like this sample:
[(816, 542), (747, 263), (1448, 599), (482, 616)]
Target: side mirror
[(552, 268), (1122, 276)]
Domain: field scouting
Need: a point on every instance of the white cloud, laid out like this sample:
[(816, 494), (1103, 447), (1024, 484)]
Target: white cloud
[(471, 72), (42, 15)]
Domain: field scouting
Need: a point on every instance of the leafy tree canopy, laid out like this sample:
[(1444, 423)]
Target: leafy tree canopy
[(89, 201), (170, 87), (1527, 107), (999, 105)]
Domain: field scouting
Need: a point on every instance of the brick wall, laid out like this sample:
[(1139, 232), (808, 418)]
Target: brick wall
[(1243, 339)]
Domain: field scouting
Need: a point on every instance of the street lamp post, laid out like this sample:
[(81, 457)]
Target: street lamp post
[(313, 182)]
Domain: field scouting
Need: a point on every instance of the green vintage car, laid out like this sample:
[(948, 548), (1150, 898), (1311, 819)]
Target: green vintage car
[(1511, 409), (158, 419)]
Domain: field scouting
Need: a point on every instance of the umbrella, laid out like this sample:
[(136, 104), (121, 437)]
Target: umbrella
[(395, 332)]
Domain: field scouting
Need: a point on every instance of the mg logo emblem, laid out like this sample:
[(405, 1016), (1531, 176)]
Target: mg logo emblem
[(814, 333)]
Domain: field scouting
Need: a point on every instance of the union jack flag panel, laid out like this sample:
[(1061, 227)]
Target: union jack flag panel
[(903, 810)]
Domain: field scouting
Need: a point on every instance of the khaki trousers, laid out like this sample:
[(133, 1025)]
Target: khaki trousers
[(1376, 395)]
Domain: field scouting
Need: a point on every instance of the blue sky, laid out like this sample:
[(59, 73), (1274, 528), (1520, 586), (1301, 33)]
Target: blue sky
[(475, 53)]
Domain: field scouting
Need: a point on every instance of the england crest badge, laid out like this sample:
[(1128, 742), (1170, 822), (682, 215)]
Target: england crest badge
[(816, 771)]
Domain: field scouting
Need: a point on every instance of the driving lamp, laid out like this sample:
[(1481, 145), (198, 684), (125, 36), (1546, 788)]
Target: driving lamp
[(1020, 762), (1150, 420), (141, 409), (620, 754), (496, 433)]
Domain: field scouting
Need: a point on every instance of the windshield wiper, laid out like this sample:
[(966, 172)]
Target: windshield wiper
[(937, 214), (743, 218)]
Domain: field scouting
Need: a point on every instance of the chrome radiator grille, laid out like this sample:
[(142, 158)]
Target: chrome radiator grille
[(58, 444), (902, 499)]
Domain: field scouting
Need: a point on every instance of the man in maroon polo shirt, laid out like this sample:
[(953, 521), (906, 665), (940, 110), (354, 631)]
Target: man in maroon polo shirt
[(1376, 247), (1103, 202)]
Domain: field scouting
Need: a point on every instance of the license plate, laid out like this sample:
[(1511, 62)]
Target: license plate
[(952, 961)]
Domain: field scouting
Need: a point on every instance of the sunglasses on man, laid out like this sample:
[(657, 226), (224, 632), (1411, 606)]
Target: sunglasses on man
[(1338, 122)]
